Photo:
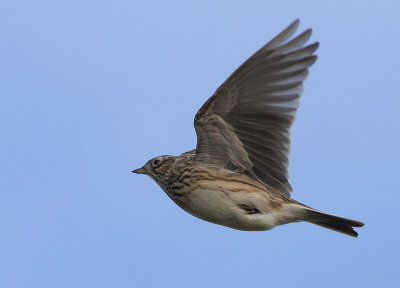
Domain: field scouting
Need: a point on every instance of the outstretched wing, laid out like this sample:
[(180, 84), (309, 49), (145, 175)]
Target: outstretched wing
[(245, 124)]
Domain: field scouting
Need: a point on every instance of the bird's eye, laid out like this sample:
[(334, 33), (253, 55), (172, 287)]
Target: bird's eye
[(155, 162)]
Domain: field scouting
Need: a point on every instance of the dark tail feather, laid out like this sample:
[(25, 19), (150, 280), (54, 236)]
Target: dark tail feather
[(336, 223)]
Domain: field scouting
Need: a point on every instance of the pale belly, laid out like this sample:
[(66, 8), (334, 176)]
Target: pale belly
[(225, 209)]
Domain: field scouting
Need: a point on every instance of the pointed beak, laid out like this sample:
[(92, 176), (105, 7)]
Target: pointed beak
[(140, 171)]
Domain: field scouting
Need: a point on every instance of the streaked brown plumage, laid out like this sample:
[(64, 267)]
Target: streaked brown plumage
[(238, 174)]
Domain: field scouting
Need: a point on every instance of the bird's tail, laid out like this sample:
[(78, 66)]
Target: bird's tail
[(336, 223)]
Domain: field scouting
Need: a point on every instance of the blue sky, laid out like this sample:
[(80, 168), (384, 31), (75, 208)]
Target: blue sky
[(93, 89)]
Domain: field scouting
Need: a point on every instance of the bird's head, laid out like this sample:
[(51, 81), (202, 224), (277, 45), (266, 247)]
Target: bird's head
[(157, 168)]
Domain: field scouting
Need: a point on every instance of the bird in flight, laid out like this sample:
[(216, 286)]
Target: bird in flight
[(238, 174)]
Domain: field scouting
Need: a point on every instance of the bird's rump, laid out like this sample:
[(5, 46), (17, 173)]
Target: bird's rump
[(245, 124)]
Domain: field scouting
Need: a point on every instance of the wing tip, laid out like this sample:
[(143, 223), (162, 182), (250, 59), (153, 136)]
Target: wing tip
[(315, 45), (295, 23)]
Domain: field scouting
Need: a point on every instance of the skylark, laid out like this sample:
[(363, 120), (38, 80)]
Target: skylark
[(238, 174)]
